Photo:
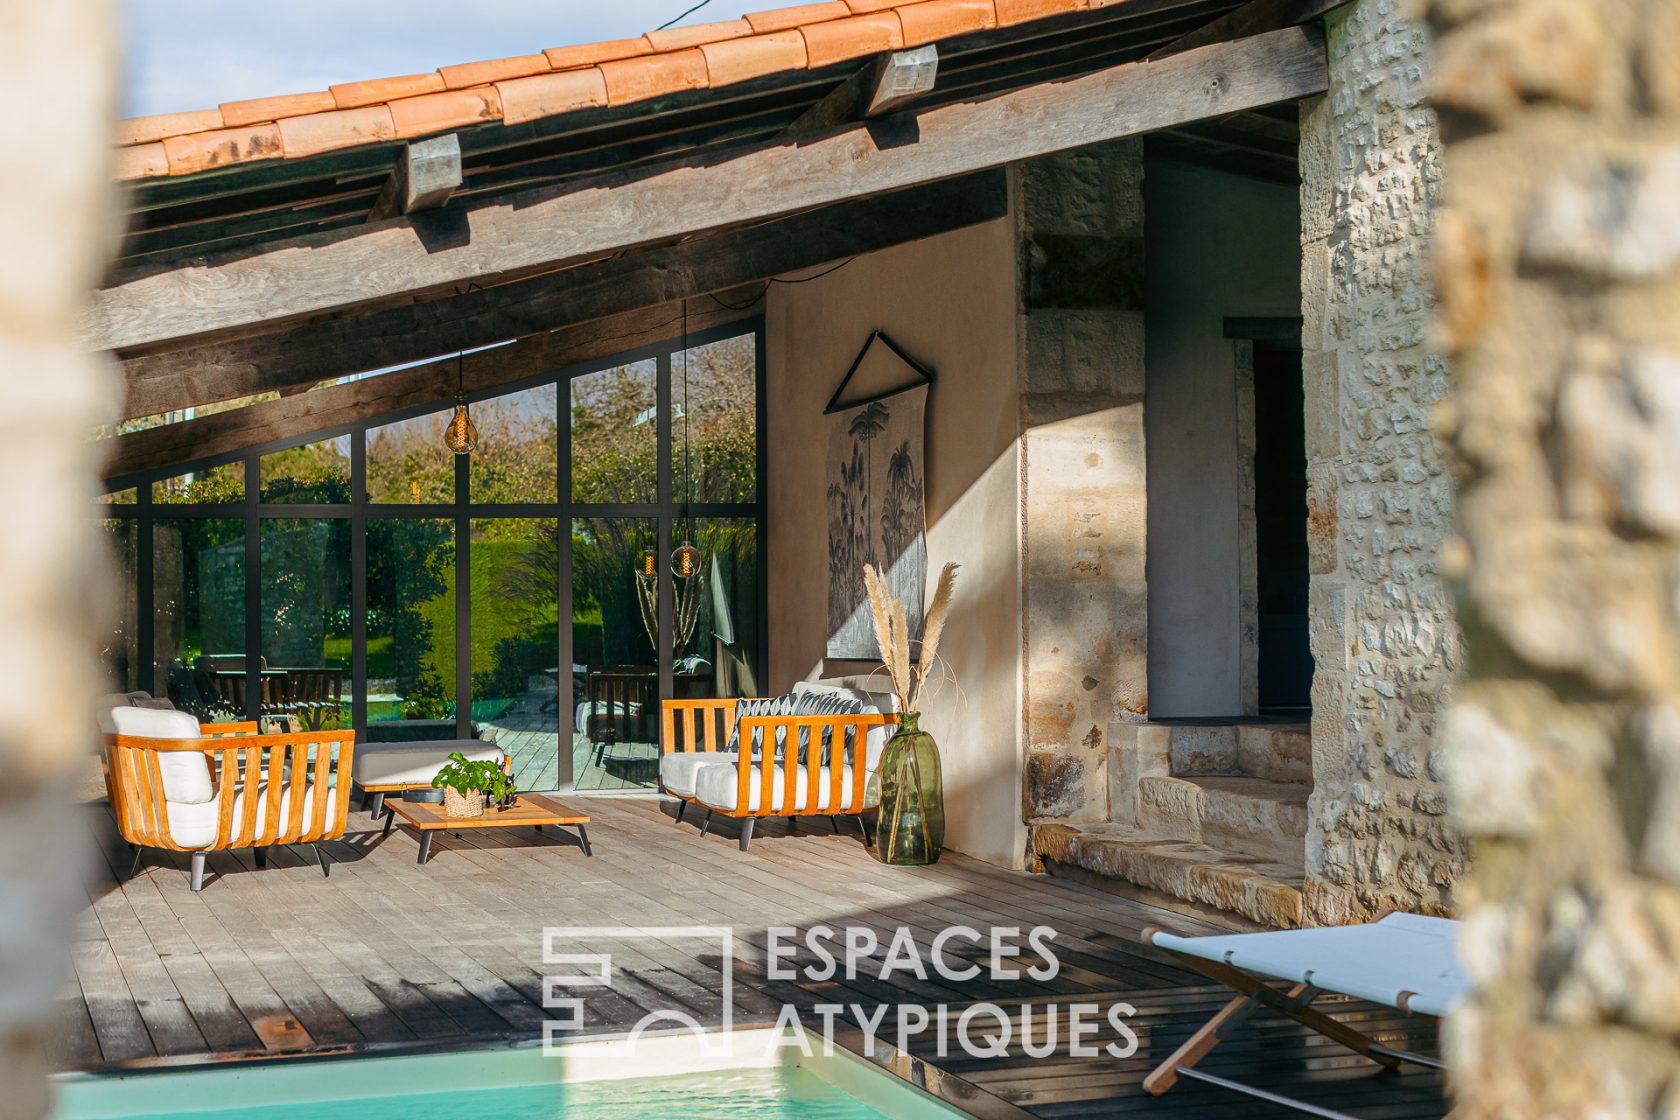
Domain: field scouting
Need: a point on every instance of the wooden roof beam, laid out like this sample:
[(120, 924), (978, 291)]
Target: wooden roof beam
[(1254, 18), (888, 82), (240, 294), (335, 406), (427, 173), (317, 351)]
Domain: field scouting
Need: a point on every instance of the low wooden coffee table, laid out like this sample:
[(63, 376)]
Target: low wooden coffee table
[(533, 809)]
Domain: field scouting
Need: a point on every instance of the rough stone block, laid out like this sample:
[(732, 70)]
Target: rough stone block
[(1067, 785), (1281, 753), (1203, 750), (1135, 751)]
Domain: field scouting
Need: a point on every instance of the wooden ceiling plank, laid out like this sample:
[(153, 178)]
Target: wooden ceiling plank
[(308, 275)]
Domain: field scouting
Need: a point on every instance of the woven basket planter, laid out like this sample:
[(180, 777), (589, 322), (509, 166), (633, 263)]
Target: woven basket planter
[(456, 805)]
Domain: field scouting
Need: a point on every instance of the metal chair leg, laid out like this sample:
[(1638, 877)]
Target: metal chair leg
[(868, 840), (139, 854), (378, 805), (583, 838), (834, 822), (682, 807), (261, 855), (197, 880), (746, 832), (321, 858), (705, 824), (390, 819)]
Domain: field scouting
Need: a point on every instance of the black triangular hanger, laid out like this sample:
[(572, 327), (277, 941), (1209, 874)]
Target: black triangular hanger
[(923, 374)]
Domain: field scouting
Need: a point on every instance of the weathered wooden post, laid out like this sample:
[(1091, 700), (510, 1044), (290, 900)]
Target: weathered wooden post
[(1558, 269), (58, 80)]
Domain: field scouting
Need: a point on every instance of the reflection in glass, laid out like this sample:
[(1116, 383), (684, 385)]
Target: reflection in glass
[(615, 675), (306, 621), (410, 629), (198, 615), (516, 678), (407, 462), (517, 448), (120, 647), (718, 654), (314, 473), (118, 498), (714, 431), (615, 434), (222, 483)]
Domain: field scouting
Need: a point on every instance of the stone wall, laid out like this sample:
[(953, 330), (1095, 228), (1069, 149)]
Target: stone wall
[(1559, 270), (1081, 470), (1383, 638)]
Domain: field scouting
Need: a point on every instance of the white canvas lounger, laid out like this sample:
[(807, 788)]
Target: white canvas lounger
[(1406, 961)]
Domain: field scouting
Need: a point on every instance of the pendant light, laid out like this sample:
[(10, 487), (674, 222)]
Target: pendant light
[(685, 561), (462, 434)]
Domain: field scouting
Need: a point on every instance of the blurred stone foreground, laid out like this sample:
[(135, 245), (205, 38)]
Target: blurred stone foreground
[(1557, 276), (1557, 269), (58, 79)]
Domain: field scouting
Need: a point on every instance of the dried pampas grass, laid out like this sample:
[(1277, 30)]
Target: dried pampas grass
[(892, 632)]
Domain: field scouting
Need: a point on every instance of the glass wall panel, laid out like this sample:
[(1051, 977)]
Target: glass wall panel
[(717, 628), (198, 614), (306, 620), (407, 462), (222, 483), (120, 646), (314, 473), (119, 497), (517, 447), (615, 675), (410, 629), (615, 436), (516, 680), (714, 431)]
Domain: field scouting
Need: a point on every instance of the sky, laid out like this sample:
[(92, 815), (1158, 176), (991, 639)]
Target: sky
[(195, 54)]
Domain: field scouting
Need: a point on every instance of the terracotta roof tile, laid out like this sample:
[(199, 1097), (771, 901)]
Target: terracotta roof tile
[(545, 95), (753, 57), (941, 19), (144, 130), (781, 19), (353, 95), (496, 70), (142, 161), (200, 151), (1010, 12), (327, 132), (676, 38), (237, 114), (588, 54), (437, 112), (559, 80), (841, 39), (636, 79)]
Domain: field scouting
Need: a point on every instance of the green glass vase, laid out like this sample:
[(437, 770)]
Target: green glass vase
[(911, 827)]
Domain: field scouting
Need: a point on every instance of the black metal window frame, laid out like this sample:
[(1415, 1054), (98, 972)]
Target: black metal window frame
[(665, 510)]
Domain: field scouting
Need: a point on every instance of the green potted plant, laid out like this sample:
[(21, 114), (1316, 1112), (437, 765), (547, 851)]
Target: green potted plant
[(469, 786)]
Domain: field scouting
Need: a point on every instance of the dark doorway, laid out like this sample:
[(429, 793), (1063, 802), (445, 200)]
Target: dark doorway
[(1280, 506)]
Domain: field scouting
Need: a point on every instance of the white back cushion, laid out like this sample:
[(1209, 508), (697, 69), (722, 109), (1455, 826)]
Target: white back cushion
[(186, 774)]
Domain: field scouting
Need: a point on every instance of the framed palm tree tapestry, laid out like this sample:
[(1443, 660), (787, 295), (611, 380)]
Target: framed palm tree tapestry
[(876, 513)]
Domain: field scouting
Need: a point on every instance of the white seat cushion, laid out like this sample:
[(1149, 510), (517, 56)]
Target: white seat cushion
[(413, 764), (718, 787), (678, 769), (193, 824), (186, 774)]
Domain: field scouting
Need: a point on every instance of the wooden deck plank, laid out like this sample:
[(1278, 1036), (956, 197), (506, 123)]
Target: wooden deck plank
[(383, 950)]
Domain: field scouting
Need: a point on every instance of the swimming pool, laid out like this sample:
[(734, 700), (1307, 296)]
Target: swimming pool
[(740, 1075)]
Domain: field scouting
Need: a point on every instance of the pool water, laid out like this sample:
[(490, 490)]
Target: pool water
[(745, 1094), (746, 1074)]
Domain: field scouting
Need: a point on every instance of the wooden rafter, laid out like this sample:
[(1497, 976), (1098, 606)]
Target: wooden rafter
[(543, 229)]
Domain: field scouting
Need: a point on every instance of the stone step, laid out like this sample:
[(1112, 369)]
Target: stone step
[(1236, 814), (1268, 892), (1279, 752)]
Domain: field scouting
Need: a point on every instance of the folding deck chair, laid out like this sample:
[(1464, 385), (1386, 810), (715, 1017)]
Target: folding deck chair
[(1406, 961)]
